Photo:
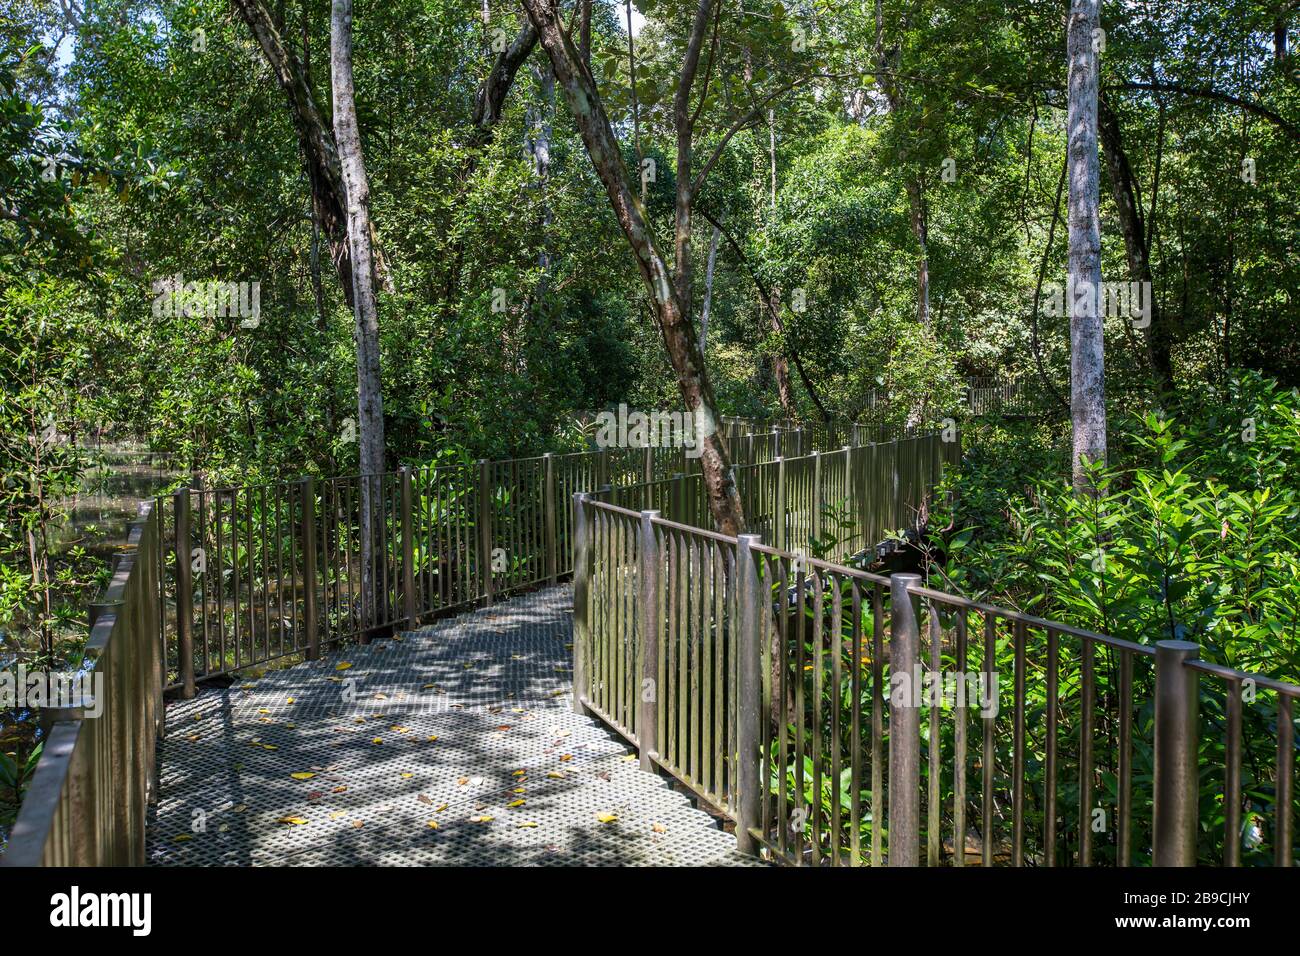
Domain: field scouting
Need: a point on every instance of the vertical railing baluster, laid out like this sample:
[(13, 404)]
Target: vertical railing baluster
[(485, 530), (1049, 766), (648, 723), (1018, 749), (749, 693), (307, 498), (1125, 821), (1284, 788), (184, 595), (1232, 775), (408, 551), (581, 633)]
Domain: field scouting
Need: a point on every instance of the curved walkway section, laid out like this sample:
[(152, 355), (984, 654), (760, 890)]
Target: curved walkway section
[(453, 745)]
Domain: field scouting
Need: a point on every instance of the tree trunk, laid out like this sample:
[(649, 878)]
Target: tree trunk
[(708, 289), (1131, 223), (319, 150), (370, 402), (780, 365), (1087, 346), (669, 294)]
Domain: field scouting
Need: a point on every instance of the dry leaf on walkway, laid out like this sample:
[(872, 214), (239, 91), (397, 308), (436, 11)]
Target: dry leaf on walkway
[(302, 775), (607, 817), (297, 821)]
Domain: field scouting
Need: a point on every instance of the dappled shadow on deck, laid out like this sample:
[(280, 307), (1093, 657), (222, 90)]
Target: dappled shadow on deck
[(466, 724)]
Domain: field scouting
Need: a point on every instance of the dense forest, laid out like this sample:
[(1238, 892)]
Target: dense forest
[(273, 238)]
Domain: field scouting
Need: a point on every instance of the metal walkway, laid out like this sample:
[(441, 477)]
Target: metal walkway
[(453, 745)]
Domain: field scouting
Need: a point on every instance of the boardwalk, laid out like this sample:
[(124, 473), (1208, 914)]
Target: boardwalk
[(451, 745)]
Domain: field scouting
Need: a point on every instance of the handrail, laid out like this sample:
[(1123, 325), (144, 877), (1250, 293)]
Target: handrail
[(89, 795), (281, 569), (728, 664)]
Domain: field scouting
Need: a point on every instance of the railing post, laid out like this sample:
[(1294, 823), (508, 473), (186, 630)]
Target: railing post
[(648, 714), (679, 499), (602, 467), (184, 595), (750, 705), (817, 496), (778, 508), (904, 723), (776, 443), (1174, 814), (648, 463), (550, 506), (307, 492), (581, 563), (485, 530), (852, 498), (408, 551)]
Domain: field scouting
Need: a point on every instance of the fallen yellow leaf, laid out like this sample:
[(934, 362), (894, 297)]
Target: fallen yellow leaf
[(515, 803), (302, 775), (433, 824), (298, 821), (607, 817), (525, 825), (342, 665)]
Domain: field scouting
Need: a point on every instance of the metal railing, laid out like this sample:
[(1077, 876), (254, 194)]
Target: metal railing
[(263, 572), (89, 795), (791, 695), (215, 580), (833, 504)]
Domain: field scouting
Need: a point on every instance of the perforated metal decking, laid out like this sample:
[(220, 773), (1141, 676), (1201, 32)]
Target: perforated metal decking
[(465, 724)]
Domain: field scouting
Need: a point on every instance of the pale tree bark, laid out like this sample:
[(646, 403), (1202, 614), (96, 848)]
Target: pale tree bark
[(319, 151), (1087, 348), (669, 289), (370, 402)]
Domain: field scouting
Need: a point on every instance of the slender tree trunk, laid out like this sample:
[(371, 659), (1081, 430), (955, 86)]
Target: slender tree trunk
[(370, 402), (780, 364), (319, 151), (1087, 346), (669, 293), (708, 289), (1136, 245)]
